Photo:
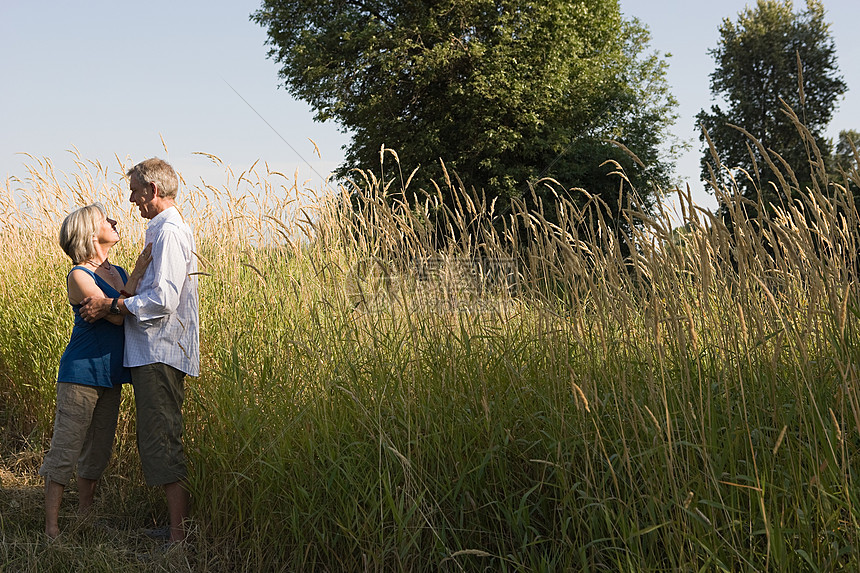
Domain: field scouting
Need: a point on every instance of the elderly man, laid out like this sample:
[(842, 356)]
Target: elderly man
[(161, 334)]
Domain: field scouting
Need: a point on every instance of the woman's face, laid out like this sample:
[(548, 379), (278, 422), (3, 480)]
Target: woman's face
[(107, 233)]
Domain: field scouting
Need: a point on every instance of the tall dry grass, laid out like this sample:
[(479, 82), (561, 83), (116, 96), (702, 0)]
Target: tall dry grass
[(532, 396)]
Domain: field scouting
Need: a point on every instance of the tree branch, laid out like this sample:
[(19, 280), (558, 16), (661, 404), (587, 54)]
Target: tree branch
[(363, 6)]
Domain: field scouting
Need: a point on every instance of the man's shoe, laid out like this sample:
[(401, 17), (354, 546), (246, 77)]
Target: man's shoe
[(162, 533)]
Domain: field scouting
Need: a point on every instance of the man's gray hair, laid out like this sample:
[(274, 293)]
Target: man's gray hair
[(158, 171)]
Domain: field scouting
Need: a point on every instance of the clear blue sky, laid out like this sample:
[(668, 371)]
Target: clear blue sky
[(114, 78)]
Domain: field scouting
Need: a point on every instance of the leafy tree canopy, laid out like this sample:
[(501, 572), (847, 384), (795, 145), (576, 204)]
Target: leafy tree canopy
[(845, 156), (757, 70), (503, 91), (845, 166)]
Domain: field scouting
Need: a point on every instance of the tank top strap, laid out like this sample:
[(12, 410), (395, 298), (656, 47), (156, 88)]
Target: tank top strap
[(85, 269), (100, 282)]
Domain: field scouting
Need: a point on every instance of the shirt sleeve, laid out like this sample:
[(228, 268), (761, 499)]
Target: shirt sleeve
[(163, 280)]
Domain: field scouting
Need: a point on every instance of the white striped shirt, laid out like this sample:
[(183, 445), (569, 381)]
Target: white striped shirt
[(164, 322)]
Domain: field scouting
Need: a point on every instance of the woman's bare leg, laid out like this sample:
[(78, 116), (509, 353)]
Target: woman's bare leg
[(53, 498)]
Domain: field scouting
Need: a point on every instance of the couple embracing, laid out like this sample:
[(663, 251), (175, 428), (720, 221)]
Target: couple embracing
[(141, 328)]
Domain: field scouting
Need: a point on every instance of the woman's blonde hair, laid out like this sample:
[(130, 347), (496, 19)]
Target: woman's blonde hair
[(78, 229)]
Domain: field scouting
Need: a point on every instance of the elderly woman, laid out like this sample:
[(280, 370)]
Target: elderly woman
[(91, 373)]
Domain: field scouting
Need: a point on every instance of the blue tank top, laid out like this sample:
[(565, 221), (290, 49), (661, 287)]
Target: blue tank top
[(93, 356)]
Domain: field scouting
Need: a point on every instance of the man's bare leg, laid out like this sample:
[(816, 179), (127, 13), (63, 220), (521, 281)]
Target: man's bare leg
[(86, 494), (53, 498), (178, 502)]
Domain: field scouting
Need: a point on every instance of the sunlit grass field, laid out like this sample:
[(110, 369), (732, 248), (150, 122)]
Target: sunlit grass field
[(527, 398)]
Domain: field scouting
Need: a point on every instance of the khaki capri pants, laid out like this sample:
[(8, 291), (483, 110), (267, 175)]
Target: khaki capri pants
[(84, 430)]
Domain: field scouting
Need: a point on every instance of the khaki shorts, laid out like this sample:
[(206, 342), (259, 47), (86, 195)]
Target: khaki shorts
[(84, 429), (159, 391)]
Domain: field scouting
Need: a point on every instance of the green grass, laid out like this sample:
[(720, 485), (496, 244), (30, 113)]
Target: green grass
[(692, 407)]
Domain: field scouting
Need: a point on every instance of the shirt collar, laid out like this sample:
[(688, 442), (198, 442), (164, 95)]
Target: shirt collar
[(168, 214)]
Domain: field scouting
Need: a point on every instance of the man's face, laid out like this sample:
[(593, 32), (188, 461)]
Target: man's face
[(143, 195)]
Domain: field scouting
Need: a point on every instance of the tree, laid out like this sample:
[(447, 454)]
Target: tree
[(504, 92), (761, 62), (845, 168), (845, 155)]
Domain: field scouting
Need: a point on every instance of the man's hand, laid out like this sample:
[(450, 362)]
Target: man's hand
[(93, 308)]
